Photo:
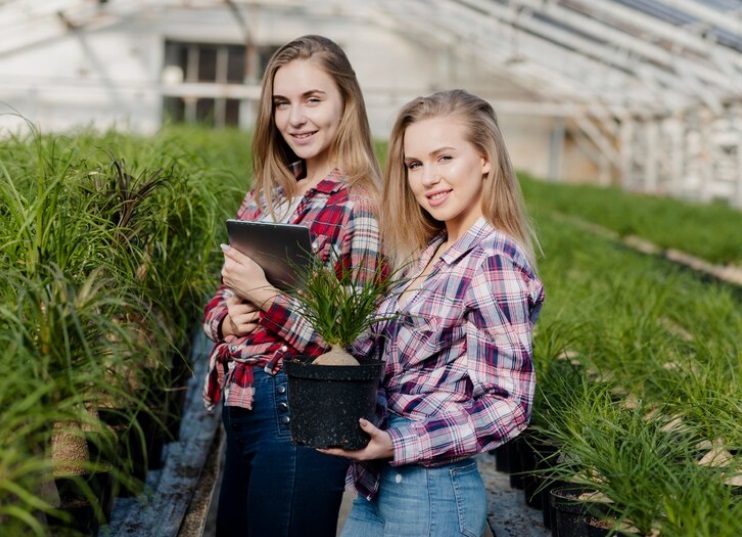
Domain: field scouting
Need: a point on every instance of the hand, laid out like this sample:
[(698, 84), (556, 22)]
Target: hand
[(246, 278), (379, 447), (242, 317)]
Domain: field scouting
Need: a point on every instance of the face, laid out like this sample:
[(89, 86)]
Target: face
[(307, 108), (445, 172)]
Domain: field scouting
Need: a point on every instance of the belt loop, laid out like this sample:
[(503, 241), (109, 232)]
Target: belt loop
[(272, 366)]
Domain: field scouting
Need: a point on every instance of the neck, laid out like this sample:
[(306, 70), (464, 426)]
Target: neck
[(313, 177)]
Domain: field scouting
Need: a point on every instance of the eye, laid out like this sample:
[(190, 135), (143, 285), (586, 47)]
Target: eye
[(445, 157), (313, 100), (412, 165), (280, 103)]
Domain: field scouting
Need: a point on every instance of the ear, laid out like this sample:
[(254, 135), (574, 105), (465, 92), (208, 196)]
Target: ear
[(485, 165)]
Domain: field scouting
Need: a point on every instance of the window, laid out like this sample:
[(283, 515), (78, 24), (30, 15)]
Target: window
[(195, 76)]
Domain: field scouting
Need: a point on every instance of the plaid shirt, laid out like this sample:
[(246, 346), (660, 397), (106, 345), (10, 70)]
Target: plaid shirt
[(345, 233), (458, 354)]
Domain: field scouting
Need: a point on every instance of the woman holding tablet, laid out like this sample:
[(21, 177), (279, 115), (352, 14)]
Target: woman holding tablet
[(313, 165)]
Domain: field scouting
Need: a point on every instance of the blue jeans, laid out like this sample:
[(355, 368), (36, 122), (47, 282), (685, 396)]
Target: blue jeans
[(414, 501), (271, 487)]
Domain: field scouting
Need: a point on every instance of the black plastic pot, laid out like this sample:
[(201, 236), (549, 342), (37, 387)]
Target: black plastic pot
[(540, 457), (548, 514), (138, 442), (571, 512), (326, 402), (502, 460), (518, 463), (85, 503)]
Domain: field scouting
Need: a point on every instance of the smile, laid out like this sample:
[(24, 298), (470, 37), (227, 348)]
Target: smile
[(436, 198), (303, 135)]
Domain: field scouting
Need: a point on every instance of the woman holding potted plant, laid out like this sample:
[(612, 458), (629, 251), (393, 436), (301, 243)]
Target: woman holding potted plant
[(314, 165), (458, 376)]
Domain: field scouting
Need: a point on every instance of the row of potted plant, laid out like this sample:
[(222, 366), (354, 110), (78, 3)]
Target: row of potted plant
[(638, 393), (108, 248)]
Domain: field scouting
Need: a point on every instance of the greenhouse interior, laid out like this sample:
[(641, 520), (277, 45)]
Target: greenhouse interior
[(125, 144)]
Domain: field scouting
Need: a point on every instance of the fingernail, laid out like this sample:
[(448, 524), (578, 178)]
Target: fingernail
[(224, 247)]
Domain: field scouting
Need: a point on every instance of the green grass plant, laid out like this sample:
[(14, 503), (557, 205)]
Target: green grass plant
[(710, 232), (108, 248), (627, 343), (340, 302)]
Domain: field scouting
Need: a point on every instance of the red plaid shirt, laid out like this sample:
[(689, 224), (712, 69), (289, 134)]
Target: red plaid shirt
[(345, 233)]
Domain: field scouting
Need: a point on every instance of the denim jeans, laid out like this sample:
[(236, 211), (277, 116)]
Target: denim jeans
[(271, 487), (414, 501)]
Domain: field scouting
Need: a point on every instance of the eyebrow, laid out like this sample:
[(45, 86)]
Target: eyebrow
[(304, 95), (442, 150), (435, 152)]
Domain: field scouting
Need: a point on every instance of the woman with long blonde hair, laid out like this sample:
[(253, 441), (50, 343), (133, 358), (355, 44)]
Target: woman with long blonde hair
[(456, 342), (314, 165)]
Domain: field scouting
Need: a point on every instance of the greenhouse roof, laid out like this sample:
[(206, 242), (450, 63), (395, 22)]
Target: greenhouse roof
[(612, 58), (618, 56)]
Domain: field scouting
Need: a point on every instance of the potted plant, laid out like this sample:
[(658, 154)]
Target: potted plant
[(328, 394)]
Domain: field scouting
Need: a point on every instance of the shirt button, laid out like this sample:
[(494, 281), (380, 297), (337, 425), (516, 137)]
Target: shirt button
[(281, 389), (285, 419), (284, 348), (283, 407)]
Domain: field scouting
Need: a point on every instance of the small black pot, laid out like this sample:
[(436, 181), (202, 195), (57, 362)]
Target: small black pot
[(571, 513), (540, 456), (518, 462), (502, 460), (548, 513), (326, 401), (85, 503)]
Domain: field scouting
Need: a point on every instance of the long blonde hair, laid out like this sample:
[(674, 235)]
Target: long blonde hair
[(406, 226), (352, 147)]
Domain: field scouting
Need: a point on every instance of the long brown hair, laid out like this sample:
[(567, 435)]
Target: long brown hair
[(352, 148), (406, 226)]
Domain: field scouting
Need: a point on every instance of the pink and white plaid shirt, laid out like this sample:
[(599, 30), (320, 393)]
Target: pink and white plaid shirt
[(459, 355)]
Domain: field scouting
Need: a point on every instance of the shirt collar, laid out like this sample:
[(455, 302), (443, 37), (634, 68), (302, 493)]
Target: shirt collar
[(332, 182), (473, 236)]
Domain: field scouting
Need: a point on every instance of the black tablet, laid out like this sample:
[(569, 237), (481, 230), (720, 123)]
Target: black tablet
[(282, 250)]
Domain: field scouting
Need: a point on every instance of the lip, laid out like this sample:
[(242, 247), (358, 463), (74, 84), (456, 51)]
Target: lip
[(302, 137), (438, 197)]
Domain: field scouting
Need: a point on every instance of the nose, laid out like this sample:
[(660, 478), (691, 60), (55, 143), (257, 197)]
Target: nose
[(430, 176), (297, 116)]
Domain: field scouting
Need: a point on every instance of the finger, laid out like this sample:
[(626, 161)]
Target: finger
[(233, 253), (243, 320), (337, 452), (243, 329), (245, 309), (367, 426)]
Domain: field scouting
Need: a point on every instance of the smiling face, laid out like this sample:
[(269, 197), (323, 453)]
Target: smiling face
[(307, 108), (445, 172)]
